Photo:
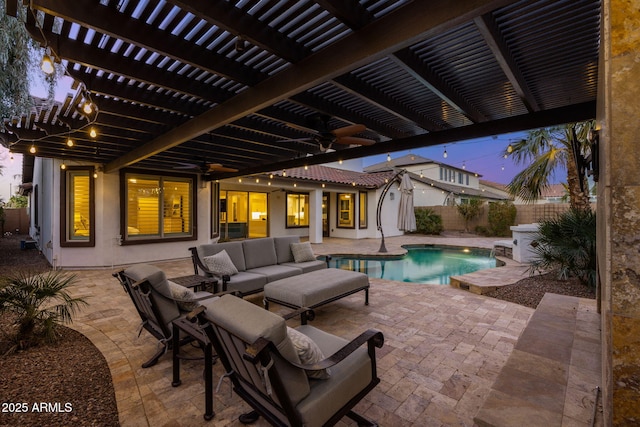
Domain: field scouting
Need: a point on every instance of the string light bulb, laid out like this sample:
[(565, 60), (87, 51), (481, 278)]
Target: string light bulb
[(87, 108), (32, 150), (95, 174), (47, 63), (445, 155), (63, 166), (69, 142), (306, 167), (464, 165), (388, 157), (93, 133), (510, 148), (421, 174)]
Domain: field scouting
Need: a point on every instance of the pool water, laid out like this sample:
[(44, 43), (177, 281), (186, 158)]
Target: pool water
[(422, 264)]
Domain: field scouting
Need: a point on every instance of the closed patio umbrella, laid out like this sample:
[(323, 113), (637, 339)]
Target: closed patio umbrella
[(406, 215)]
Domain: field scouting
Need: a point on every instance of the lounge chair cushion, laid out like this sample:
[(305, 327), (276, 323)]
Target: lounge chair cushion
[(184, 296), (158, 281), (250, 322), (302, 252), (220, 264), (308, 352), (347, 379)]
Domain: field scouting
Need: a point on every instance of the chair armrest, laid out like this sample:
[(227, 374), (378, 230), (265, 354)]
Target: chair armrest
[(373, 338)]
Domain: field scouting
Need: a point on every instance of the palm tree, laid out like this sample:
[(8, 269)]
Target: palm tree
[(542, 152)]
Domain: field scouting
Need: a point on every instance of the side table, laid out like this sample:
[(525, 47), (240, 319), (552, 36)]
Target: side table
[(197, 282), (192, 330)]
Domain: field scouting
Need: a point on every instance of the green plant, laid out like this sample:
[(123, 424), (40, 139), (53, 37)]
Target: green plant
[(568, 243), (469, 210), (38, 304), (428, 222), (501, 216)]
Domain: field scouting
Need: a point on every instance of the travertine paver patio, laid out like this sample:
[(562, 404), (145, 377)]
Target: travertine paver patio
[(444, 348)]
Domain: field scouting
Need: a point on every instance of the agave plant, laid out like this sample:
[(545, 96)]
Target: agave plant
[(38, 303), (568, 243)]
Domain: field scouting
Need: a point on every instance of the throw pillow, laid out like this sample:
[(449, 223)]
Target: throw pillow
[(183, 296), (308, 352), (302, 252), (220, 264)]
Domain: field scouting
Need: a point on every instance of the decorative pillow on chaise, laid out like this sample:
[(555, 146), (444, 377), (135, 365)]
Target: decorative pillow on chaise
[(183, 296)]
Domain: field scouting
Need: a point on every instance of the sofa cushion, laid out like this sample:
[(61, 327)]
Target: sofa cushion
[(308, 352), (283, 248), (302, 252), (220, 264), (250, 322), (184, 296), (259, 252), (276, 272), (234, 250), (308, 266), (247, 282)]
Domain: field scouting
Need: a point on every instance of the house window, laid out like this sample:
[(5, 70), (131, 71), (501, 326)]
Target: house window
[(77, 218), (297, 210), (345, 210), (362, 217), (158, 207)]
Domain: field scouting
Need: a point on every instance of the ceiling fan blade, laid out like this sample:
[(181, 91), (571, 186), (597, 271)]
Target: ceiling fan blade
[(217, 167), (348, 130), (186, 166), (349, 140)]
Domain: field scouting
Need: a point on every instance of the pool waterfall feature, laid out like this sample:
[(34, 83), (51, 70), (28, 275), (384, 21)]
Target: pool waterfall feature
[(426, 264)]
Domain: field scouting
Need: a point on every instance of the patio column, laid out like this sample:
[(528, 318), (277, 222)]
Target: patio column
[(315, 220), (618, 211)]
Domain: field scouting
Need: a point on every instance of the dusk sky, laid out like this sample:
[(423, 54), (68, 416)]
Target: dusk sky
[(482, 156)]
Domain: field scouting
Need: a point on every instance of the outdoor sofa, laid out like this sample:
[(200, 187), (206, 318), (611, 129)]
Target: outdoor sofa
[(248, 265)]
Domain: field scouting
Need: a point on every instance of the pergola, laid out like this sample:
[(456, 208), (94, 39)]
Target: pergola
[(248, 84)]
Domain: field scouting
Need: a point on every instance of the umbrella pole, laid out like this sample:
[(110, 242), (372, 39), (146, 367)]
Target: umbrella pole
[(383, 248)]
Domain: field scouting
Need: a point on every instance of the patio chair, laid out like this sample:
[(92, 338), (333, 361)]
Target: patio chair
[(158, 302), (284, 375)]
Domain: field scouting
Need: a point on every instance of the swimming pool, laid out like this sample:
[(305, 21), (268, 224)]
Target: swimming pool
[(426, 264)]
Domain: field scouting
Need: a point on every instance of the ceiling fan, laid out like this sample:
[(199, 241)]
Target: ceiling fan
[(326, 137), (205, 167)]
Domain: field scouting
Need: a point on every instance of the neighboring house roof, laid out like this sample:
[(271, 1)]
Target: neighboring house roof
[(458, 190), (410, 160), (495, 185)]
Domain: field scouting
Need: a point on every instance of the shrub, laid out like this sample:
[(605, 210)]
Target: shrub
[(502, 215), (469, 210), (38, 303), (428, 222), (568, 243)]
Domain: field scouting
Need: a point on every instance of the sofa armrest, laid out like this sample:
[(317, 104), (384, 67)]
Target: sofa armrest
[(198, 265)]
